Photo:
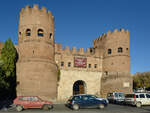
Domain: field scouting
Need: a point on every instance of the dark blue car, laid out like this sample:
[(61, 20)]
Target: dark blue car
[(86, 101)]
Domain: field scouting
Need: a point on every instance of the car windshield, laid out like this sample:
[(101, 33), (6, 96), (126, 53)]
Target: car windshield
[(121, 94), (94, 96), (39, 99), (109, 95)]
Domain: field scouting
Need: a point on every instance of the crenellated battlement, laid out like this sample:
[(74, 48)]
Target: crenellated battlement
[(110, 35), (74, 50), (36, 11), (36, 21)]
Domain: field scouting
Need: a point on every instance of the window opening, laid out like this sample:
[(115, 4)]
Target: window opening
[(95, 66), (28, 32), (89, 65), (69, 64), (120, 50), (62, 64), (40, 33), (50, 35), (109, 51)]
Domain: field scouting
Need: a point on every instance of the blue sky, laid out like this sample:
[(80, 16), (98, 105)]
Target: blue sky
[(78, 22)]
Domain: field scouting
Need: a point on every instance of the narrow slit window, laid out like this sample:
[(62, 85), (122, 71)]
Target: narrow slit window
[(50, 35)]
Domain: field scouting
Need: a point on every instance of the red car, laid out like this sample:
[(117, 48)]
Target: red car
[(25, 102)]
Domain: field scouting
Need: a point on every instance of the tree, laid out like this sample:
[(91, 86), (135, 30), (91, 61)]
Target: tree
[(8, 66), (3, 83), (142, 80), (9, 58)]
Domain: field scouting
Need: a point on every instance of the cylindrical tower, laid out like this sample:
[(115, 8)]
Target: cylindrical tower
[(116, 52), (114, 49), (36, 67)]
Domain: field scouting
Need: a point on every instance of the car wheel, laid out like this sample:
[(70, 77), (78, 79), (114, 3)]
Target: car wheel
[(101, 106), (19, 108), (45, 107), (75, 107), (138, 104), (50, 106)]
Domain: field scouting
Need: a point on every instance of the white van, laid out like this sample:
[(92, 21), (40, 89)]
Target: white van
[(137, 99), (116, 97)]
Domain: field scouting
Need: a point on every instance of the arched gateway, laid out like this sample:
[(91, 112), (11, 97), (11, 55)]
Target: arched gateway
[(79, 87)]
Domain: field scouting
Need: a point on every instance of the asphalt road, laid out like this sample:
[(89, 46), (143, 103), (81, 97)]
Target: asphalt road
[(111, 108)]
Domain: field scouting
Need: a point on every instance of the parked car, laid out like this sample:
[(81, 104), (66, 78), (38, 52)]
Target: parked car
[(137, 99), (25, 102), (140, 90), (85, 101), (116, 97)]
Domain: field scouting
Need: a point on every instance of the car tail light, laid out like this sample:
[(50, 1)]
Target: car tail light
[(70, 102), (134, 97)]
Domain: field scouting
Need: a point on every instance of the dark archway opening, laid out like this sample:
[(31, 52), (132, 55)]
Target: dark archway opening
[(79, 87)]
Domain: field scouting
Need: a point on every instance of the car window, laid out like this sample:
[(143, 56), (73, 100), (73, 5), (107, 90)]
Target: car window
[(25, 98), (121, 94), (85, 97), (34, 99), (148, 95), (31, 98), (116, 94), (137, 96), (129, 95), (92, 97), (142, 96), (76, 98)]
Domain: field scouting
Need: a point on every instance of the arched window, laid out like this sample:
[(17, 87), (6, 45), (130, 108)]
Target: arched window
[(28, 32), (109, 51), (40, 33), (69, 64), (62, 64), (120, 50), (95, 65), (89, 65)]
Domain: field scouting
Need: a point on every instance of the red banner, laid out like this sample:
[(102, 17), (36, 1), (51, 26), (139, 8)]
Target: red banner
[(80, 62)]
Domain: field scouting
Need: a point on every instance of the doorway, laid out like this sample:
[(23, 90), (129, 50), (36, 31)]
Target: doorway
[(79, 87)]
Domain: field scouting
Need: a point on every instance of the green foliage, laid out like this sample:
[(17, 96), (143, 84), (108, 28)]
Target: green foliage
[(8, 64), (3, 83), (8, 57), (141, 80)]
